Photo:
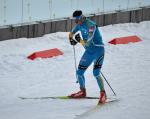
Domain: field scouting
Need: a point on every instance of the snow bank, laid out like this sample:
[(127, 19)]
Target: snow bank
[(126, 67)]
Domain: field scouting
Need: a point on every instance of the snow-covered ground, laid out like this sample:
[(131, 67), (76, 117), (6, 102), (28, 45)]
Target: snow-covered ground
[(127, 68)]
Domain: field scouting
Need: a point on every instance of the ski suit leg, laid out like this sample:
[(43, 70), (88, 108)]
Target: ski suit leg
[(85, 62), (97, 68)]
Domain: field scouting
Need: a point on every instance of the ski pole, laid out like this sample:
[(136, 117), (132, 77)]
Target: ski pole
[(75, 62), (108, 84)]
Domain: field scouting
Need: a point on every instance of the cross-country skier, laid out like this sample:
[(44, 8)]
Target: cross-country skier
[(94, 52)]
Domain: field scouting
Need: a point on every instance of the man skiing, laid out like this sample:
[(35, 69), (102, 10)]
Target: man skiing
[(94, 52)]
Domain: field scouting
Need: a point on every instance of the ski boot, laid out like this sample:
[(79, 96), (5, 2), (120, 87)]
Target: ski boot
[(80, 94), (102, 98)]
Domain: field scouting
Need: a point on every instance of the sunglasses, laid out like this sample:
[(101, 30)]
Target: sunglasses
[(77, 17)]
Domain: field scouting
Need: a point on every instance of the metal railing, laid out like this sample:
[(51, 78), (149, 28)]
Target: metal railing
[(22, 11), (37, 29)]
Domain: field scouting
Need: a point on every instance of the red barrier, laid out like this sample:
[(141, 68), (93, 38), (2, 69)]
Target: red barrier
[(45, 54), (125, 40)]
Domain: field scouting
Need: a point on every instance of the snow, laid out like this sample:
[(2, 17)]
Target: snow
[(126, 67)]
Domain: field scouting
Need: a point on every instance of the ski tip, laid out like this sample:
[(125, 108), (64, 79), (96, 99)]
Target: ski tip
[(21, 97), (109, 100)]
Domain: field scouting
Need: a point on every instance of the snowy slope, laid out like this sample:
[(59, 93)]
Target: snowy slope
[(126, 67)]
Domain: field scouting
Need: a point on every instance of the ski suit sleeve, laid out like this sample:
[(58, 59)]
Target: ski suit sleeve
[(92, 28), (75, 29)]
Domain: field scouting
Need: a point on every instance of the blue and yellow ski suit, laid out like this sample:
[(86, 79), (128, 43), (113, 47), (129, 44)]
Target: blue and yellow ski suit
[(94, 51)]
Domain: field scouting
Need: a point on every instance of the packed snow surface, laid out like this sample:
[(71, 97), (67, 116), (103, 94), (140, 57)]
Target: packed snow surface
[(126, 67)]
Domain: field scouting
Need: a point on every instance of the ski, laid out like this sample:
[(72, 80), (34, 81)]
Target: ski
[(56, 97), (96, 107)]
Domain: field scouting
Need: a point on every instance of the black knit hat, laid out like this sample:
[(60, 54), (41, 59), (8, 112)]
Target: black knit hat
[(77, 13)]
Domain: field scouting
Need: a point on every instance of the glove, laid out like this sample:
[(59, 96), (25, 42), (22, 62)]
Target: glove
[(72, 42), (77, 37), (70, 35)]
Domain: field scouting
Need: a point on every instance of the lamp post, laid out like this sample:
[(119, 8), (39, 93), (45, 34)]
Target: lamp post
[(50, 8), (4, 7), (22, 14)]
